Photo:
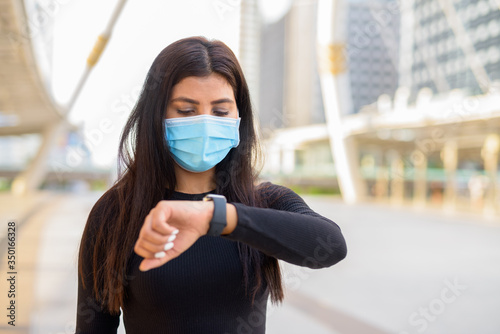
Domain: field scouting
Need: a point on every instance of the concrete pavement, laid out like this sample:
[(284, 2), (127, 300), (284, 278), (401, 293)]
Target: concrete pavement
[(406, 271), (409, 271)]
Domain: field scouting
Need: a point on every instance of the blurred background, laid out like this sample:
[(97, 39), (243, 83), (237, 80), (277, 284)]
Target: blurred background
[(384, 115)]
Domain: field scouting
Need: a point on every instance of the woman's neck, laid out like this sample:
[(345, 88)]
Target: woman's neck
[(194, 183)]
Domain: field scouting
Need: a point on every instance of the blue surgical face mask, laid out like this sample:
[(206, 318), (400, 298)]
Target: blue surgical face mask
[(198, 143)]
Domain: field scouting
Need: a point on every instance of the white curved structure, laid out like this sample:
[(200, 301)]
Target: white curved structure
[(25, 104), (336, 96)]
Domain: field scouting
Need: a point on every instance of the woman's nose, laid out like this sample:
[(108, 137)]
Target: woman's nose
[(205, 110)]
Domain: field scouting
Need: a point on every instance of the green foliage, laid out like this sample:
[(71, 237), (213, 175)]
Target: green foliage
[(99, 185), (5, 184), (315, 190)]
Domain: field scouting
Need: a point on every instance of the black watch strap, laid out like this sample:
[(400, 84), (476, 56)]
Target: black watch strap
[(219, 220)]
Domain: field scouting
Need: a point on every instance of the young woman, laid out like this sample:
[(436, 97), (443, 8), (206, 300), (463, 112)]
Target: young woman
[(186, 241)]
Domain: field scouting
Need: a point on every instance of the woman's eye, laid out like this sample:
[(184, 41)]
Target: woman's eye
[(185, 111), (221, 112)]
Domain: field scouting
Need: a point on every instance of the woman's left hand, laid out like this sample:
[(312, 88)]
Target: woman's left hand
[(158, 240)]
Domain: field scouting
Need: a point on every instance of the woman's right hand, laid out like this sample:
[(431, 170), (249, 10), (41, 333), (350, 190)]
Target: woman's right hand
[(169, 229)]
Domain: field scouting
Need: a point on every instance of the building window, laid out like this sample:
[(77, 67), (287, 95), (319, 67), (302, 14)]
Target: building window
[(493, 54), (493, 5), (425, 75), (443, 24), (448, 68), (481, 33), (481, 55), (440, 47), (494, 28), (450, 44), (472, 12), (482, 8)]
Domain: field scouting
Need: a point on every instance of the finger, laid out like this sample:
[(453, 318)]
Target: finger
[(156, 253), (151, 247), (150, 263), (144, 252), (147, 249), (156, 238), (159, 220), (159, 259)]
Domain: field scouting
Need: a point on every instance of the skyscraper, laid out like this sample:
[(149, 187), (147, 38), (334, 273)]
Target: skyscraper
[(372, 50), (270, 109), (289, 61), (302, 94), (449, 45), (249, 46), (289, 86)]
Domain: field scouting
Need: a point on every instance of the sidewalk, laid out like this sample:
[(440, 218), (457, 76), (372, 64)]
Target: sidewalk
[(49, 227), (406, 272), (410, 271)]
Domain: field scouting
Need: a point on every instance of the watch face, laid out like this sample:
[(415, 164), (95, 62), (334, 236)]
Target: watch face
[(211, 197), (215, 196), (218, 221)]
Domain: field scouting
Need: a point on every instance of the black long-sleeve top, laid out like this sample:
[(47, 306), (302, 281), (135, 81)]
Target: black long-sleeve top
[(202, 290)]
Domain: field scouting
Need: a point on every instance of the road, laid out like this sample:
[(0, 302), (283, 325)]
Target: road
[(406, 271)]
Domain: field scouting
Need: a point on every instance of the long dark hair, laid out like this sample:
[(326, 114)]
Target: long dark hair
[(114, 223)]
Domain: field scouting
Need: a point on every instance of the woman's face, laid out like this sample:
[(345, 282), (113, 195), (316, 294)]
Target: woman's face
[(193, 96)]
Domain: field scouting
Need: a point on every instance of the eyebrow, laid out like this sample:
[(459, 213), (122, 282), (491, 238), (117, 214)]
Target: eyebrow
[(186, 99)]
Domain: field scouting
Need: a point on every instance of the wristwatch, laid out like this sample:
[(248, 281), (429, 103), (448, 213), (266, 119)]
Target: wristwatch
[(219, 220)]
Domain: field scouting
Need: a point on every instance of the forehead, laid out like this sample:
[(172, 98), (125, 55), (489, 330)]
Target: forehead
[(211, 86)]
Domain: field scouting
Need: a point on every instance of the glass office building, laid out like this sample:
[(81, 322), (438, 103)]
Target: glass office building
[(372, 50), (448, 45)]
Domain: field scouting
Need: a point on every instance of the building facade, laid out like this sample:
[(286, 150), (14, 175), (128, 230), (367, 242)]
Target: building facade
[(447, 45), (372, 50)]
